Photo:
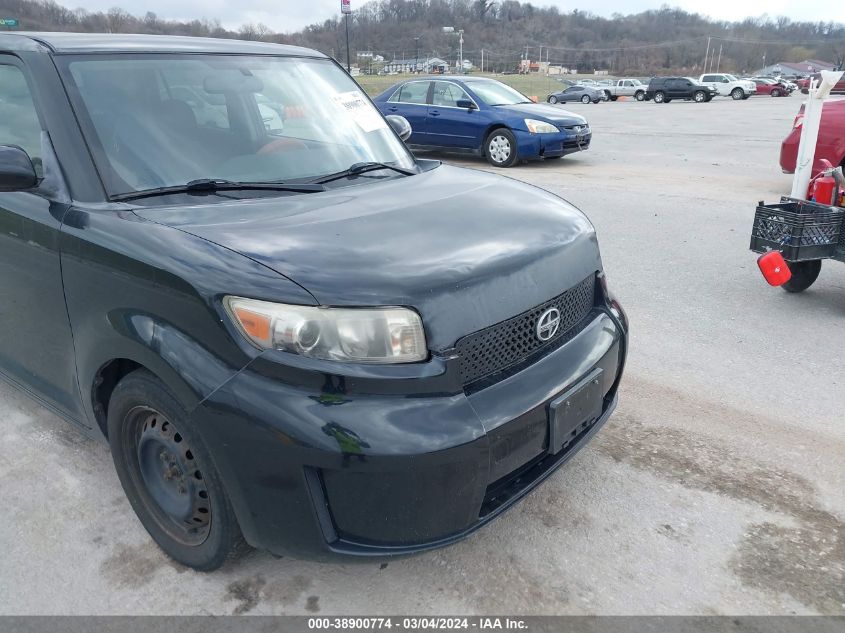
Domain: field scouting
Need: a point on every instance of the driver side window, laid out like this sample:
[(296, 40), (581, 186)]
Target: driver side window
[(448, 94), (19, 123)]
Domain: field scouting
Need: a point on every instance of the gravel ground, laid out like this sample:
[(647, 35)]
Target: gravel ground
[(717, 487)]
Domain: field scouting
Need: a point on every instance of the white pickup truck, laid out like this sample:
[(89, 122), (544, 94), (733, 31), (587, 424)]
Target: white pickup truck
[(729, 86), (624, 88)]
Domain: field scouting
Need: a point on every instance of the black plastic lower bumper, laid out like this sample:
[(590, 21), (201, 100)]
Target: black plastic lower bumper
[(319, 470)]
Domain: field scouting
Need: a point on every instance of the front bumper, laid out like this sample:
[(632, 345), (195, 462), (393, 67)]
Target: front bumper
[(320, 465), (533, 146)]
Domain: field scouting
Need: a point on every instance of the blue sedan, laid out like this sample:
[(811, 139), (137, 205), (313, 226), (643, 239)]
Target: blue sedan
[(483, 117)]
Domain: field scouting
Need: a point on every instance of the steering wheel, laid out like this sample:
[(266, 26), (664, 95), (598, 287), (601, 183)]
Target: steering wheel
[(283, 144)]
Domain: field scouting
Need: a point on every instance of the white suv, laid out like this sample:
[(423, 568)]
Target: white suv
[(728, 85)]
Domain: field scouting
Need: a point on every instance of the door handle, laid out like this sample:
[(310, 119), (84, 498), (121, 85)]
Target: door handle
[(434, 112), (393, 108)]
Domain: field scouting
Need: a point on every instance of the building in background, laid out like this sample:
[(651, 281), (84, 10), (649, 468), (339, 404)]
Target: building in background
[(425, 65)]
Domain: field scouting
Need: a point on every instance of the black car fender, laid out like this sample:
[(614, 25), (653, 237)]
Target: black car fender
[(127, 283)]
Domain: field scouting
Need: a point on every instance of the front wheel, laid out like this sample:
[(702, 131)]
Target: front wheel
[(552, 99), (737, 94), (640, 96), (804, 274), (659, 97), (168, 475), (585, 99), (614, 98), (775, 92), (500, 148), (699, 96)]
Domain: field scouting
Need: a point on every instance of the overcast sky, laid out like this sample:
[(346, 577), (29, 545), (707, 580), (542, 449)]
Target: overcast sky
[(292, 15)]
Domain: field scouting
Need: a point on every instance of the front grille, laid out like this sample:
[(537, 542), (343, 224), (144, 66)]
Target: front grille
[(505, 344), (575, 129)]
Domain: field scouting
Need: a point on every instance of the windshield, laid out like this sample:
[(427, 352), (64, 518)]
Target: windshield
[(165, 120), (494, 93), (731, 78)]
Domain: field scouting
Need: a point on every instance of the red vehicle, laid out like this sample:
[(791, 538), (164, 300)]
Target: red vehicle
[(770, 87), (803, 84), (831, 143)]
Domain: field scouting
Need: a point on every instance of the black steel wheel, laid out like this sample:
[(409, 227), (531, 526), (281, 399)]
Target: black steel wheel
[(804, 275), (168, 475)]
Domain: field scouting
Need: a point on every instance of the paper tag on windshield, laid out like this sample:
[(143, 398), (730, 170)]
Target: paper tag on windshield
[(360, 110)]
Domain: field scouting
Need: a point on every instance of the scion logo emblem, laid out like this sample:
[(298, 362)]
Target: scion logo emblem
[(547, 324)]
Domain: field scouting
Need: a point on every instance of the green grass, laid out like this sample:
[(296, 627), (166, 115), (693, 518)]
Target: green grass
[(539, 86)]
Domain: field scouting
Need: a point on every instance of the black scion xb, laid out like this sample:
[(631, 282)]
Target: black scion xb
[(219, 257)]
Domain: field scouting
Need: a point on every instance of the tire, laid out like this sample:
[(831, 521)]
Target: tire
[(586, 99), (659, 97), (552, 99), (699, 96), (640, 96), (614, 98), (500, 148), (737, 94), (607, 95), (775, 92), (804, 274), (168, 475)]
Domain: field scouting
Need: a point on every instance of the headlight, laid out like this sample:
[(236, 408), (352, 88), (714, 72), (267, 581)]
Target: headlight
[(363, 335), (540, 127)]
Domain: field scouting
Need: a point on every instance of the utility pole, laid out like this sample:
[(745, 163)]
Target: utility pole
[(706, 54), (417, 58), (348, 58), (346, 9), (482, 60), (719, 62), (461, 34)]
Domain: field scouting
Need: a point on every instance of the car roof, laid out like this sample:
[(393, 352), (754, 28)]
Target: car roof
[(462, 78), (60, 43)]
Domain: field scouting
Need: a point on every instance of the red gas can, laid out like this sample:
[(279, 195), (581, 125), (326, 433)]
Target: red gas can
[(824, 188), (774, 268)]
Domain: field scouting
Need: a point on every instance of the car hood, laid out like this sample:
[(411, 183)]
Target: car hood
[(466, 248), (546, 112)]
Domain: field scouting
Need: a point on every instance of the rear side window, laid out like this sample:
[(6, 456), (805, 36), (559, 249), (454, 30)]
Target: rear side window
[(711, 78), (413, 92), (18, 118)]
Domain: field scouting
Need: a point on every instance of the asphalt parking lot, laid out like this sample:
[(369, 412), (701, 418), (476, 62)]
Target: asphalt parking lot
[(717, 487)]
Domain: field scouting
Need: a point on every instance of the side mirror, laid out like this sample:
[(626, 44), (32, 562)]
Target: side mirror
[(16, 170), (465, 103), (400, 125)]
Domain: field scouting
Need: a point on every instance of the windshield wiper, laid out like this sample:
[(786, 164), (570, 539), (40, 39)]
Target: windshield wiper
[(361, 168), (203, 185)]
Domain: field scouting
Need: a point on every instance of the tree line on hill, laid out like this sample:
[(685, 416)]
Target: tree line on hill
[(503, 31)]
